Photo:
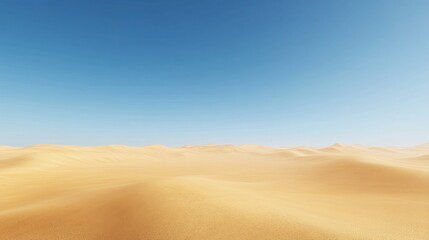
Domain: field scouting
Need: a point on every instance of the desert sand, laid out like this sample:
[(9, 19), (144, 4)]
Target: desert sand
[(214, 192)]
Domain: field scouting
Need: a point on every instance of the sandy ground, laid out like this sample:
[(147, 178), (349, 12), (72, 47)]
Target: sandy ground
[(214, 192)]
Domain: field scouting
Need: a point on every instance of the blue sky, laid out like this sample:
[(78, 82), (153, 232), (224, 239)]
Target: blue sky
[(281, 73)]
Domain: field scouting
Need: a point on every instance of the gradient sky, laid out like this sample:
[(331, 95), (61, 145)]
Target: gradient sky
[(281, 73)]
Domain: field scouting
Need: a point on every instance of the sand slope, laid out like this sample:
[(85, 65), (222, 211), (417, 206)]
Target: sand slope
[(214, 192)]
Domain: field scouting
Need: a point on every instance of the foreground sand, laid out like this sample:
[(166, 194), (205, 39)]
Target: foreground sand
[(214, 192)]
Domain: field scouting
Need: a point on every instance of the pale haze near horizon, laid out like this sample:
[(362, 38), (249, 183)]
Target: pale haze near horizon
[(274, 73)]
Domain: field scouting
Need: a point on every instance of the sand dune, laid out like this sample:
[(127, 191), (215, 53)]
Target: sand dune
[(214, 192)]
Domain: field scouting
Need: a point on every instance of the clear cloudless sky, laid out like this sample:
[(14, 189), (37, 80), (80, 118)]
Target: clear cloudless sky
[(281, 73)]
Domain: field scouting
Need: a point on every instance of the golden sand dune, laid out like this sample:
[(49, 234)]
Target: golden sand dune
[(214, 192)]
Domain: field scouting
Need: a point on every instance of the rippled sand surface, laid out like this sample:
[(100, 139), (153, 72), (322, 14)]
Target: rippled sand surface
[(214, 192)]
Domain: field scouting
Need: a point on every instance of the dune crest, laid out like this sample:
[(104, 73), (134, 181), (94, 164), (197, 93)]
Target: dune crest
[(214, 192)]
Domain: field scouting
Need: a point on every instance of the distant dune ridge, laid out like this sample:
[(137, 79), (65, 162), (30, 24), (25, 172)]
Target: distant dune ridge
[(214, 192)]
